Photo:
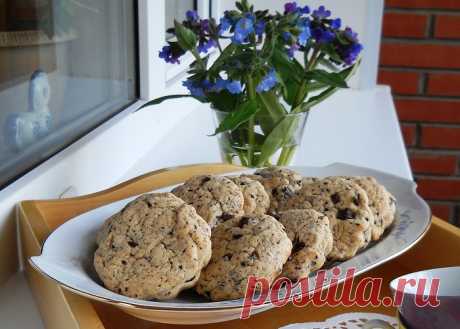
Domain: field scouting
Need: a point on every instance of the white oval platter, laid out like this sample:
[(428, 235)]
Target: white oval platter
[(67, 254)]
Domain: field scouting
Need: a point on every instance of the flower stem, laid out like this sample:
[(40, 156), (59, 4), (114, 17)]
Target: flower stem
[(218, 45), (300, 95), (286, 155), (198, 59), (251, 123)]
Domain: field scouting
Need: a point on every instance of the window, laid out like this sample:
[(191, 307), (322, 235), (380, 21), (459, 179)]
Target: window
[(176, 9), (65, 67)]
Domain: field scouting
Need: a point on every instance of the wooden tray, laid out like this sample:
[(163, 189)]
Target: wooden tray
[(63, 309)]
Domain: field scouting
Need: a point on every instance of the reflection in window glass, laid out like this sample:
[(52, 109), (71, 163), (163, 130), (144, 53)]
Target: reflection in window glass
[(176, 9), (65, 66)]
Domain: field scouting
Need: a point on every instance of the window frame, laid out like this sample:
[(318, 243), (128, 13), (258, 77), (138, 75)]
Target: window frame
[(173, 71), (156, 77)]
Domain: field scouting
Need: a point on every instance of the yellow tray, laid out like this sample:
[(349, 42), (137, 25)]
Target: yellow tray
[(63, 309)]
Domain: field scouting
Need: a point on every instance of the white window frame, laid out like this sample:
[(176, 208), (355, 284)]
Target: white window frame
[(156, 78), (173, 71)]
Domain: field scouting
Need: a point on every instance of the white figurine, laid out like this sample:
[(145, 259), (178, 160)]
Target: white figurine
[(24, 128)]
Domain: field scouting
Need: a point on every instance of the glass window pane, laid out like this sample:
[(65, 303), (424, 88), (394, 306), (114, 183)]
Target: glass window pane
[(65, 67), (176, 9)]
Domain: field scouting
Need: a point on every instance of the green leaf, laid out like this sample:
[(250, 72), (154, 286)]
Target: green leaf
[(314, 86), (185, 36), (272, 111), (270, 102), (279, 137), (226, 53), (240, 138), (239, 6), (269, 45), (329, 78), (160, 100), (287, 68), (236, 118), (223, 100), (315, 100)]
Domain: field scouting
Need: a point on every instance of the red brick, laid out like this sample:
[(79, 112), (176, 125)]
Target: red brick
[(428, 110), (444, 84), (447, 26), (408, 132), (440, 210), (400, 82), (405, 25), (420, 55), (439, 189), (441, 137), (433, 164), (436, 4)]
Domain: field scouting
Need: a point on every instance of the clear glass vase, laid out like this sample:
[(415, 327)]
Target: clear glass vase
[(263, 140)]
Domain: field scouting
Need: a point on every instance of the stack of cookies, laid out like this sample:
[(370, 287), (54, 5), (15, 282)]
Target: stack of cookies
[(213, 232)]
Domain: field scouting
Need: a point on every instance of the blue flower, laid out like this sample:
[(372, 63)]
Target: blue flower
[(192, 15), (352, 36), (234, 87), (290, 7), (305, 10), (350, 54), (323, 35), (220, 85), (304, 36), (194, 88), (204, 45), (224, 25), (292, 49), (243, 28), (204, 26), (206, 84), (321, 13), (305, 32), (167, 54), (260, 28), (267, 82), (336, 23), (286, 36)]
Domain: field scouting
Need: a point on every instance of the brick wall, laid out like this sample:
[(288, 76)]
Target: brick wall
[(420, 59)]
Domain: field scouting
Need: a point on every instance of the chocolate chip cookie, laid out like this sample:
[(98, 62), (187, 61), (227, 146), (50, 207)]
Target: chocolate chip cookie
[(381, 203), (311, 238), (280, 184), (347, 207), (256, 199), (251, 245), (154, 248), (215, 198)]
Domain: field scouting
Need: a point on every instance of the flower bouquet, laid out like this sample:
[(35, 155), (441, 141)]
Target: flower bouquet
[(262, 72)]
